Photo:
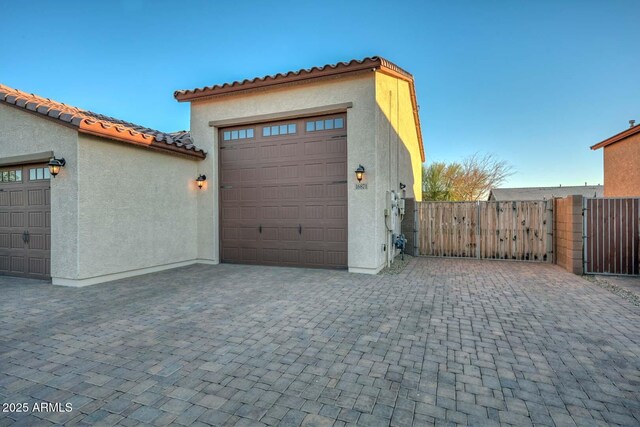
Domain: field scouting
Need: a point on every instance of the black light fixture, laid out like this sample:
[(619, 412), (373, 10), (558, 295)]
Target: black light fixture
[(200, 180), (360, 173), (403, 186), (55, 165)]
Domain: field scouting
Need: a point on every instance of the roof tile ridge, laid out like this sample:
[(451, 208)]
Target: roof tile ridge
[(342, 64)]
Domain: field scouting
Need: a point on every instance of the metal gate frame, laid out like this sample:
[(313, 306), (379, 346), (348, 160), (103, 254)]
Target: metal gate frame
[(615, 239)]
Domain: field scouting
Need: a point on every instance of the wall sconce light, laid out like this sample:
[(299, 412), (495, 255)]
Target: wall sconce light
[(55, 165), (360, 173), (200, 180), (403, 186)]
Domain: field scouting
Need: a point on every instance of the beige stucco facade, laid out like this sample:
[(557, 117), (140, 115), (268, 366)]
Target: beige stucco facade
[(138, 208), (23, 133), (357, 93), (116, 210), (119, 210), (622, 168), (379, 124)]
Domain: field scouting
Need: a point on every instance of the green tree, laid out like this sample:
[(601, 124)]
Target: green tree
[(468, 180), (438, 181)]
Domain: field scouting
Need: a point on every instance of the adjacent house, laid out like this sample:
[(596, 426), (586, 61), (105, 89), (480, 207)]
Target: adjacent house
[(622, 163), (307, 168), (544, 193)]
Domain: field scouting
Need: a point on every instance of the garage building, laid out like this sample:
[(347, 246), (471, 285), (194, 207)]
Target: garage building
[(279, 154)]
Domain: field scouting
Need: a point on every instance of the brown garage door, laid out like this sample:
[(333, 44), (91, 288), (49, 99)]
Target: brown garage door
[(283, 193), (25, 221)]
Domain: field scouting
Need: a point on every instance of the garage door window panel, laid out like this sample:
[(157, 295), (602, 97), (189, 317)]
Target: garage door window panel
[(236, 134), (39, 174), (278, 130), (326, 124), (14, 175)]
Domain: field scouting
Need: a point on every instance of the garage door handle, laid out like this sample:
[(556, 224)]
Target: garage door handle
[(25, 236), (260, 229), (299, 228)]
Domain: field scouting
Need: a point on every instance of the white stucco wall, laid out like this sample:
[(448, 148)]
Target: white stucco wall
[(138, 208), (23, 133), (365, 245)]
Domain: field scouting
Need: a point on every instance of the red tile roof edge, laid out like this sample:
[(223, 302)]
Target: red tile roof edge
[(617, 137), (99, 125), (369, 63), (374, 63)]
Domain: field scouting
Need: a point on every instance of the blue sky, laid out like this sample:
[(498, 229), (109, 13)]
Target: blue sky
[(533, 82)]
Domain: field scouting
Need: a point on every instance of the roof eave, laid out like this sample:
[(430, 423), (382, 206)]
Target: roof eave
[(56, 120), (140, 140), (271, 81), (314, 74), (98, 128), (617, 137)]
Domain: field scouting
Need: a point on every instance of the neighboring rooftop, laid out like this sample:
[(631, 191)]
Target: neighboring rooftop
[(634, 129), (374, 63), (544, 193), (100, 125)]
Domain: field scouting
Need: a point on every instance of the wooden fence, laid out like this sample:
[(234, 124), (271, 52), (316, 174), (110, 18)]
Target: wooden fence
[(518, 230), (612, 236)]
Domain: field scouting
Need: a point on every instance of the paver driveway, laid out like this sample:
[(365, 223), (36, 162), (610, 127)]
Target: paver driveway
[(444, 342)]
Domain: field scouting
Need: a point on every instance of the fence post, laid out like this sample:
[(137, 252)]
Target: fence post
[(584, 235), (478, 238), (577, 226), (550, 217), (416, 229)]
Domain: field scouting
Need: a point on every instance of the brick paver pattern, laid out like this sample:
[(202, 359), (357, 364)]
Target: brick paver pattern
[(444, 342)]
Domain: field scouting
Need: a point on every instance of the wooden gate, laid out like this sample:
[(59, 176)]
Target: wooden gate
[(517, 230), (612, 236)]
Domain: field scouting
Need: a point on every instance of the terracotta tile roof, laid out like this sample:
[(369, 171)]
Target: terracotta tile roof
[(374, 63), (100, 125), (354, 65), (617, 137)]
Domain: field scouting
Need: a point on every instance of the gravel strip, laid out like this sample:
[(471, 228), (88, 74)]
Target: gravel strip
[(603, 283), (398, 265)]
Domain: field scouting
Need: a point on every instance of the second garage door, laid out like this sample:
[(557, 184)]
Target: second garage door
[(25, 221), (283, 193)]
